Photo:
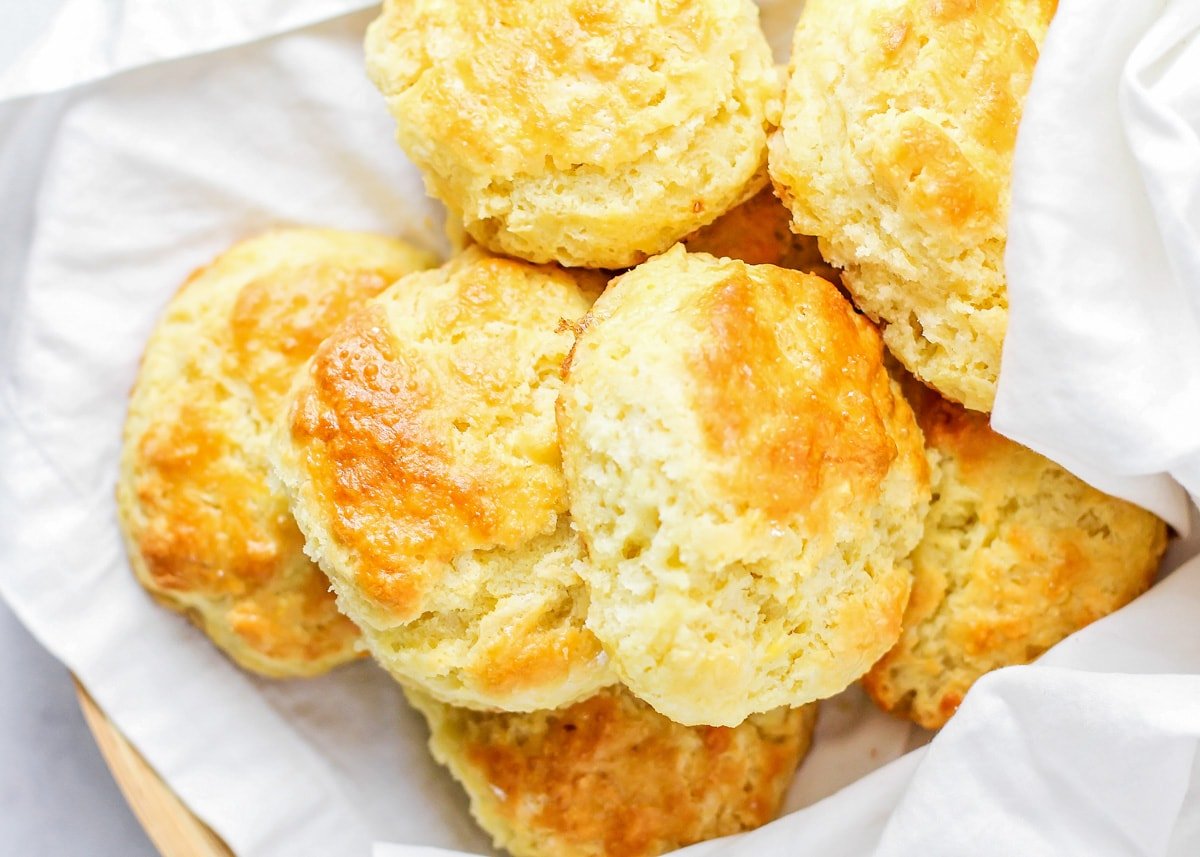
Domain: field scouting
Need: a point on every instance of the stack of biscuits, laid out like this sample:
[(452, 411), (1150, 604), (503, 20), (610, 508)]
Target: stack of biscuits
[(689, 434)]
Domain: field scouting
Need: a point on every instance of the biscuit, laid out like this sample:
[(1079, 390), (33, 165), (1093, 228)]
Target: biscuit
[(747, 483), (206, 534), (1017, 554), (759, 232), (421, 457), (610, 777), (895, 149), (591, 133)]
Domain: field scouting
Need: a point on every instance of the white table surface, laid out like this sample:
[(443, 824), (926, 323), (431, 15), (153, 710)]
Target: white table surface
[(57, 798)]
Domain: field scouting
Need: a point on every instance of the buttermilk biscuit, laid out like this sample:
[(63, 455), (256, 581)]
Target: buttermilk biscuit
[(587, 132), (759, 232), (421, 456), (610, 777), (747, 483), (895, 149), (206, 533), (1017, 554)]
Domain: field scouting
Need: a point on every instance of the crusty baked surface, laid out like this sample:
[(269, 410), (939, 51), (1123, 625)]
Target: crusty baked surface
[(895, 149), (747, 483), (206, 532), (610, 777), (759, 232), (613, 127), (421, 456), (1017, 554)]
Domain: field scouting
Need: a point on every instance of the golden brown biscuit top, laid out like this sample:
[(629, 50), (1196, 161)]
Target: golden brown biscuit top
[(610, 776), (731, 439), (1017, 553), (759, 232), (279, 320), (381, 462), (552, 80), (426, 422), (784, 379), (210, 527), (208, 532), (947, 79), (791, 388)]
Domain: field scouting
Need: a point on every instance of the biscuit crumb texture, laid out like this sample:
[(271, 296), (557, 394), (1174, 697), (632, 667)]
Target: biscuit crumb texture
[(610, 777), (895, 150), (593, 133), (206, 532), (421, 455), (1017, 554), (747, 482)]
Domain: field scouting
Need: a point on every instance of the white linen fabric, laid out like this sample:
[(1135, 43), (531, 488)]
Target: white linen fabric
[(1101, 367), (139, 139), (91, 39)]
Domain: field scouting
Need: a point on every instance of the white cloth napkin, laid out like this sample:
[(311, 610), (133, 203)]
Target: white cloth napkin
[(1101, 367), (92, 39), (190, 126)]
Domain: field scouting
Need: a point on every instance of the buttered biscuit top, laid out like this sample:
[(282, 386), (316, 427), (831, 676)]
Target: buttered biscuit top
[(422, 460), (206, 531), (747, 481), (588, 132)]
